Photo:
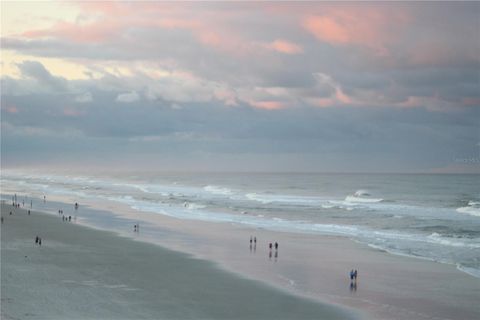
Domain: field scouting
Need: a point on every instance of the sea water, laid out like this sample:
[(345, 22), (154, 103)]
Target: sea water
[(435, 217)]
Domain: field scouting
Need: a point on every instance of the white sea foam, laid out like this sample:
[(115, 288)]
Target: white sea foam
[(355, 199), (193, 206), (446, 241), (361, 192), (471, 271), (218, 190), (286, 199), (472, 208)]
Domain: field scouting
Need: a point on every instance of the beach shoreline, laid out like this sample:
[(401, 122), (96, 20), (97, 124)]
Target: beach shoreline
[(82, 273), (316, 267)]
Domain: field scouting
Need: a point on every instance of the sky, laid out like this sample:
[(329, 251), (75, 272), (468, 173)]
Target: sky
[(241, 86)]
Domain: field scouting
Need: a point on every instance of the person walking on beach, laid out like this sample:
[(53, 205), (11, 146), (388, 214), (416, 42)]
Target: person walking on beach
[(276, 246), (351, 275), (28, 212), (255, 240), (355, 273), (40, 242), (270, 246), (2, 220), (36, 239)]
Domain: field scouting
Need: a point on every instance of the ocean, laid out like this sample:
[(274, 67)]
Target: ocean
[(435, 217)]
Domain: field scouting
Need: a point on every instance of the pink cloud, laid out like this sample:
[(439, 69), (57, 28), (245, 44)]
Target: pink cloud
[(284, 46), (90, 33), (268, 105), (374, 28)]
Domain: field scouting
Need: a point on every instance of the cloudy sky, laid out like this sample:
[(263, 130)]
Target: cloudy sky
[(356, 87)]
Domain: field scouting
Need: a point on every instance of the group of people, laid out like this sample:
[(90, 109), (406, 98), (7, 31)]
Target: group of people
[(253, 240), (38, 240), (136, 227), (270, 246), (353, 275), (16, 203)]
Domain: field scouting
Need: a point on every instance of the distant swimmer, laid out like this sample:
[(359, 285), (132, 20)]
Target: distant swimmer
[(76, 205), (44, 199)]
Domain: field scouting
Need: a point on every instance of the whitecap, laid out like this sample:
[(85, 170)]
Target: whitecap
[(218, 190), (362, 200), (472, 208)]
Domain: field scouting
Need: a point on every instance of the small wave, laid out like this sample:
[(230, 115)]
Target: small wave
[(362, 200), (218, 190), (328, 206), (361, 192), (286, 199), (437, 238), (471, 271), (193, 206), (472, 208)]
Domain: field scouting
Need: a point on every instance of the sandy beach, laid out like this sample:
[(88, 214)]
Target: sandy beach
[(311, 267), (82, 273), (389, 286)]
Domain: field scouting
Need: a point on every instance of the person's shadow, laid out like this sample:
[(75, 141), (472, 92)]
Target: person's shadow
[(353, 286)]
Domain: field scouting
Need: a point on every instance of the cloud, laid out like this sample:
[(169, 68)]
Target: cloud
[(128, 97), (35, 70), (367, 26), (284, 46), (265, 81)]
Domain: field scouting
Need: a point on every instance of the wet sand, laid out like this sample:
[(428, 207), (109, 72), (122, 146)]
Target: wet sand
[(388, 287), (82, 273)]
